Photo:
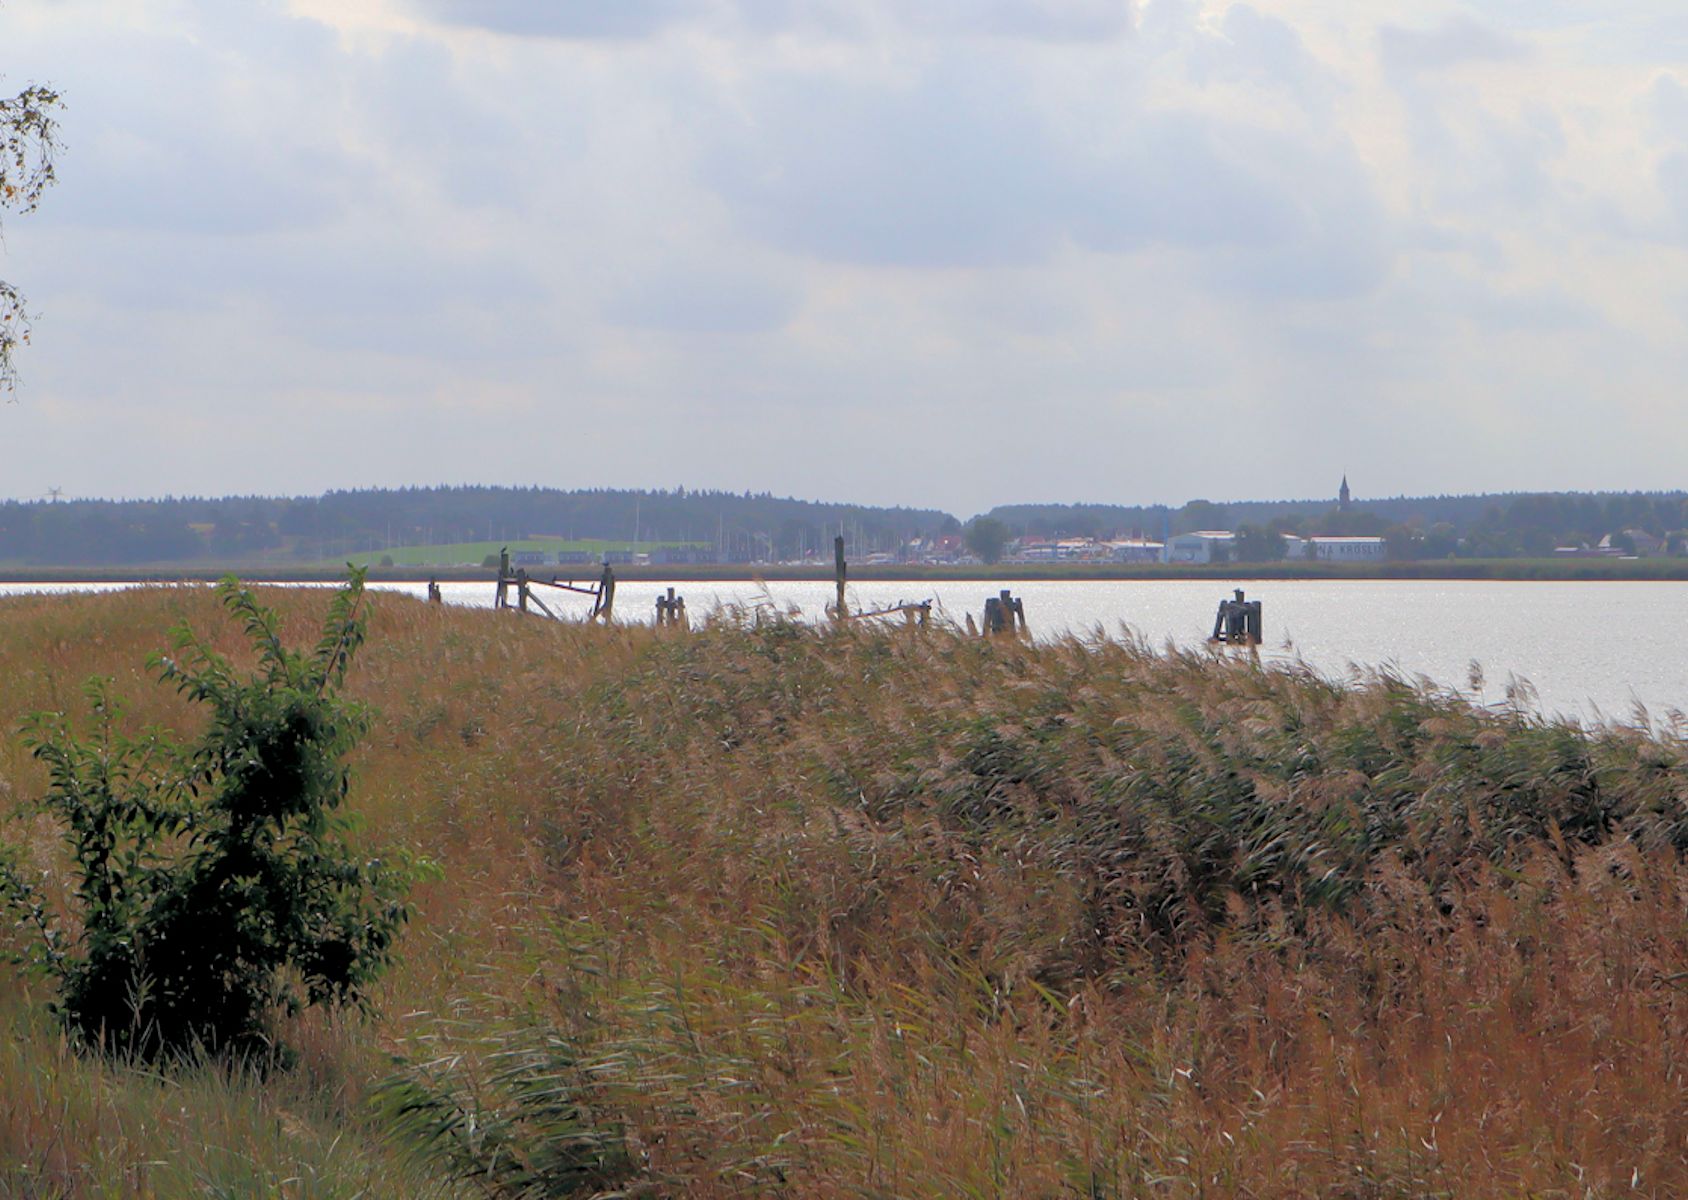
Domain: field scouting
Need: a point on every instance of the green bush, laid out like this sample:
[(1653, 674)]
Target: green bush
[(214, 885)]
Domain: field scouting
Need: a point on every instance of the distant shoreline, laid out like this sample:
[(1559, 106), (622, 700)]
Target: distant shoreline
[(1545, 570)]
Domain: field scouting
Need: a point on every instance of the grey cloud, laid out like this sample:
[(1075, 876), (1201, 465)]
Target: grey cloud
[(1456, 41), (1666, 105), (565, 18), (961, 170), (1672, 175), (678, 298), (954, 171), (1263, 49), (1177, 180), (435, 128), (152, 145), (1044, 20), (1038, 19)]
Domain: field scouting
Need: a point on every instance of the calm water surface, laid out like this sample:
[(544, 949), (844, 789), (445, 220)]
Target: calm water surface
[(1590, 650)]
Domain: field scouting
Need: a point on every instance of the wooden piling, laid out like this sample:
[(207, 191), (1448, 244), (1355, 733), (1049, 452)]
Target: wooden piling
[(840, 610), (1238, 621), (603, 608), (1004, 613), (671, 611)]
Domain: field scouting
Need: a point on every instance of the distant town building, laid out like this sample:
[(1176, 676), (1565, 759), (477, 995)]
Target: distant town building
[(1202, 546), (668, 555), (1136, 550), (1342, 497), (1346, 549)]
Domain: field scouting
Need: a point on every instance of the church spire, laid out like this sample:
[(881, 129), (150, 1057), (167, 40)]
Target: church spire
[(1342, 495)]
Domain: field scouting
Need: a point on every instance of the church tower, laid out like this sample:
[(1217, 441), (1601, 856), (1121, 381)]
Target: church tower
[(1342, 496)]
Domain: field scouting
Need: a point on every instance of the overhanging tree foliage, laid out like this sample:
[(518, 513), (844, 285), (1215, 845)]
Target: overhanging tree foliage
[(28, 138)]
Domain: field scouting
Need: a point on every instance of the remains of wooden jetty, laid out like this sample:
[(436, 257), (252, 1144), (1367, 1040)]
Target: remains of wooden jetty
[(602, 593), (1238, 621)]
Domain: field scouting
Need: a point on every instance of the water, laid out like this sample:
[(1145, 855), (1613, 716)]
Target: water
[(1592, 650)]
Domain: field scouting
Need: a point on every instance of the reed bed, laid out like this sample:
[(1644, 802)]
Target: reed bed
[(773, 911)]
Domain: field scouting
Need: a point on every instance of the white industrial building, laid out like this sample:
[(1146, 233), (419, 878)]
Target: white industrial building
[(1345, 549), (1198, 547)]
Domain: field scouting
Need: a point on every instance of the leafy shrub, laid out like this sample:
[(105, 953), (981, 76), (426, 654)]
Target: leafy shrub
[(213, 881)]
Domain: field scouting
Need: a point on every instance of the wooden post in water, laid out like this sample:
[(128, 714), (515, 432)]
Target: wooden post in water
[(1238, 621), (1014, 612), (522, 589), (671, 611), (1005, 613), (603, 609), (840, 610), (501, 599)]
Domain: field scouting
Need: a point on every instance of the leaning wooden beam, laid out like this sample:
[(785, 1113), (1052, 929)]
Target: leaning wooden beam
[(541, 605), (566, 587), (911, 611)]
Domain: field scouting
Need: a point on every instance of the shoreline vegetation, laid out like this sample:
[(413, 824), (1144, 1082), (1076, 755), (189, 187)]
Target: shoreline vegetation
[(1524, 569), (775, 910)]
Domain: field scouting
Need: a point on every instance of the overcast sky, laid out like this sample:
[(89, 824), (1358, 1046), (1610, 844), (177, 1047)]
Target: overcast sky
[(933, 252)]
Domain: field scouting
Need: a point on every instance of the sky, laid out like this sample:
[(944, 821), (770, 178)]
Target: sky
[(946, 253)]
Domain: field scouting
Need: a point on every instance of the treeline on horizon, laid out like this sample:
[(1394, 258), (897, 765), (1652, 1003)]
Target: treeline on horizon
[(747, 526)]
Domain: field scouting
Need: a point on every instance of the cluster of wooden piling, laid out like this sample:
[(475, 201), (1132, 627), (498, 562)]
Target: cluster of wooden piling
[(1238, 621), (671, 612)]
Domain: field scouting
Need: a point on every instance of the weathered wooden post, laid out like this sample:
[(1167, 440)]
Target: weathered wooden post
[(603, 609), (1014, 613), (1004, 613), (502, 598), (839, 611), (522, 589)]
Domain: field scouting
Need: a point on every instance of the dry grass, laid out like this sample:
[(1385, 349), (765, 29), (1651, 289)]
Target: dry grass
[(790, 913)]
